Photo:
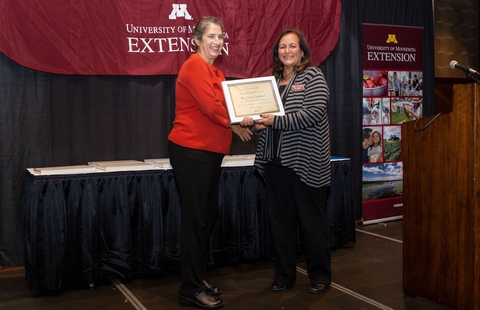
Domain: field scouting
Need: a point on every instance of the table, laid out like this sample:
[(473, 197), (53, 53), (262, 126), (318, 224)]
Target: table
[(85, 227)]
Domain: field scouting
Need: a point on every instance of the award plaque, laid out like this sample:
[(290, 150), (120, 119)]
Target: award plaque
[(252, 97)]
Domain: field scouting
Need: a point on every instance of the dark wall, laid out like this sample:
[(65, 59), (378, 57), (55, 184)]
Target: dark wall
[(457, 34)]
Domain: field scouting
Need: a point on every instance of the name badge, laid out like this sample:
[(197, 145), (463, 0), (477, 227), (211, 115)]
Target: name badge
[(297, 87)]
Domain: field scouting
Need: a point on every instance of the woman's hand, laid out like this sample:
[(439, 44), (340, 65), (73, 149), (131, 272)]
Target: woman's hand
[(267, 120), (259, 127), (243, 132), (247, 121)]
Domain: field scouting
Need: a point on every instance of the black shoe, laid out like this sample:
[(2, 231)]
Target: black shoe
[(212, 289), (201, 300), (281, 286), (318, 288)]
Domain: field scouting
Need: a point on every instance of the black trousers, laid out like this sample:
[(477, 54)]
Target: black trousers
[(197, 175), (292, 205)]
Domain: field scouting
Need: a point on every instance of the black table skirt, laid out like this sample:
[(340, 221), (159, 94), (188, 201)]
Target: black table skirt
[(86, 227)]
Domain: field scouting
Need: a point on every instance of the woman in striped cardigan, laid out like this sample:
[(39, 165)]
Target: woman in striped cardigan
[(293, 156)]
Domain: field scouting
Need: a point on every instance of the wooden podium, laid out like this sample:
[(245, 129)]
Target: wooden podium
[(441, 174)]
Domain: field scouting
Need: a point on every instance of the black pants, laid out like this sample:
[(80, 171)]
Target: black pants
[(197, 175), (291, 205)]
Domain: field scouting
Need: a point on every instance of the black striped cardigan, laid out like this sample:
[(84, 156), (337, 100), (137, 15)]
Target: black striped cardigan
[(304, 143)]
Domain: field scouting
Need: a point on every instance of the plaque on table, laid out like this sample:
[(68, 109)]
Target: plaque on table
[(160, 163), (121, 165), (63, 170), (238, 160)]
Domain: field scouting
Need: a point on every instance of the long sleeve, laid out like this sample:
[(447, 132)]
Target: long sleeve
[(201, 117), (305, 136)]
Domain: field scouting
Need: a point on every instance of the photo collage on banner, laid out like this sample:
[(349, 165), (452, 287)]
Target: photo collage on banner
[(392, 95)]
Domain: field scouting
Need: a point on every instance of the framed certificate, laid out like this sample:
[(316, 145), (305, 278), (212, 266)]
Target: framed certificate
[(252, 97)]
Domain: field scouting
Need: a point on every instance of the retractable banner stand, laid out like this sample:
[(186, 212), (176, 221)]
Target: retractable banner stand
[(392, 94)]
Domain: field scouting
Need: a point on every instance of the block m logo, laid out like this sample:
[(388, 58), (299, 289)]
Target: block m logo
[(392, 39), (179, 10)]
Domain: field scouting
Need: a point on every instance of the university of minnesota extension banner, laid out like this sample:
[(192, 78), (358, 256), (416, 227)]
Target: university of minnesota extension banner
[(150, 37), (392, 94)]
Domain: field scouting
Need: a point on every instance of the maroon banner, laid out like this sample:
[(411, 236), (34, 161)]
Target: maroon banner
[(150, 37), (392, 46)]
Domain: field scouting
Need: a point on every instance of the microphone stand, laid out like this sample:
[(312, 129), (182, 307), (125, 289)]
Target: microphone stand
[(473, 76), (469, 75)]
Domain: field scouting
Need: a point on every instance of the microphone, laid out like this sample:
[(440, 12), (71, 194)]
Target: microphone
[(455, 65)]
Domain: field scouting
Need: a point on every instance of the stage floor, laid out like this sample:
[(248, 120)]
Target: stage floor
[(367, 275)]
